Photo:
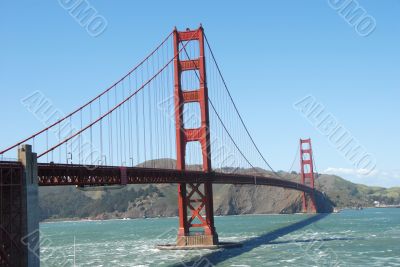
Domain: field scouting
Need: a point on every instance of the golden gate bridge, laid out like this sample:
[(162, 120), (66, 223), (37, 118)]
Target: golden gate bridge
[(175, 104)]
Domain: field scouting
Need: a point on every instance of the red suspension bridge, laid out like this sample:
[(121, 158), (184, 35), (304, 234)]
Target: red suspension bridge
[(175, 104)]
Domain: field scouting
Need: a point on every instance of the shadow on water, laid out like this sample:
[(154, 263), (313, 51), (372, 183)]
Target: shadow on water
[(252, 243), (314, 240)]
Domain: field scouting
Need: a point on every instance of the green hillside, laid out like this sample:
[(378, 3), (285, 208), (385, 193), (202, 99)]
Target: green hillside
[(346, 194)]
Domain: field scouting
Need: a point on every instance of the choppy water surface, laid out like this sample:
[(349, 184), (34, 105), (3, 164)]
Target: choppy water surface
[(369, 237)]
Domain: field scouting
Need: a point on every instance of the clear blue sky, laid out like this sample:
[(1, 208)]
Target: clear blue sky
[(272, 54)]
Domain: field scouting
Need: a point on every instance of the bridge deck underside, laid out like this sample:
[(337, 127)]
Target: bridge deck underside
[(63, 174)]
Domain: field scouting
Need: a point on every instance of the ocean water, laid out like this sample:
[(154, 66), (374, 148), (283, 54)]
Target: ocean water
[(369, 237)]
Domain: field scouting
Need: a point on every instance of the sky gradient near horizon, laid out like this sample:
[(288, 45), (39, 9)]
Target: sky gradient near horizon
[(272, 53)]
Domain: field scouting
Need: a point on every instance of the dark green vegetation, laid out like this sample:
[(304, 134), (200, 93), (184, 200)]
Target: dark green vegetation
[(136, 201)]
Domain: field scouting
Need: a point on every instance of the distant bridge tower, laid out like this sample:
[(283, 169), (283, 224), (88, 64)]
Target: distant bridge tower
[(195, 198), (307, 174)]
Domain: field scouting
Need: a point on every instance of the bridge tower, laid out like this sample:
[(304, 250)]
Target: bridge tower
[(307, 174), (197, 199)]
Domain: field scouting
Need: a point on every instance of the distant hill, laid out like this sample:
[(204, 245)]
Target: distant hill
[(136, 201), (347, 194)]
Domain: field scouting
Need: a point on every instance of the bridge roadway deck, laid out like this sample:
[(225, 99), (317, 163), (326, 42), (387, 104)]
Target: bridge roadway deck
[(81, 175)]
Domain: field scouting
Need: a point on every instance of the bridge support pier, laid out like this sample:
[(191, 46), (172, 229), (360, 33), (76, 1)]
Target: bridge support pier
[(30, 206), (207, 235)]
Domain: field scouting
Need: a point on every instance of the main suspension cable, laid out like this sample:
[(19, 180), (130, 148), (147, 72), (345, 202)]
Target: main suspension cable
[(237, 111), (89, 102), (117, 106)]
